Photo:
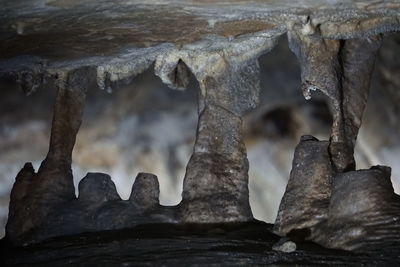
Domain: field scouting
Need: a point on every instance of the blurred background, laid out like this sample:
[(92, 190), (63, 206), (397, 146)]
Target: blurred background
[(146, 127)]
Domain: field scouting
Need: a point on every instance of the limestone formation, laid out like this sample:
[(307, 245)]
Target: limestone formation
[(215, 188), (145, 190), (306, 200), (73, 44), (354, 210), (97, 188), (52, 185), (215, 185), (342, 70), (364, 211)]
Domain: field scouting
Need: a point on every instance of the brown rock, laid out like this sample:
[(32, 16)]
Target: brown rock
[(306, 199)]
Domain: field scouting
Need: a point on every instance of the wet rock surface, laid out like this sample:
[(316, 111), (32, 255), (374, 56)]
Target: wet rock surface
[(200, 245)]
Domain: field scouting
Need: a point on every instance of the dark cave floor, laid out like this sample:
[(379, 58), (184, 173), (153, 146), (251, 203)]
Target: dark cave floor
[(235, 244)]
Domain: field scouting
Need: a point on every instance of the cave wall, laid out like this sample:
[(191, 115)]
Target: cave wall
[(158, 126)]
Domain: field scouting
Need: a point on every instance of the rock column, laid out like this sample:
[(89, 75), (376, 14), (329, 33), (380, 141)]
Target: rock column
[(215, 187), (35, 195)]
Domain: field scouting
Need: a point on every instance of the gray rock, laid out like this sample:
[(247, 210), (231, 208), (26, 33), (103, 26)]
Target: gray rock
[(364, 211), (53, 184), (145, 190), (306, 199), (285, 245), (97, 188), (355, 210), (216, 182), (336, 51), (342, 71)]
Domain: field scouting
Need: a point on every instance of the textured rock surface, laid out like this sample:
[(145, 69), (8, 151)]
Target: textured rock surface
[(354, 210), (145, 190), (342, 71), (53, 184), (97, 188), (97, 208), (44, 205), (306, 200), (201, 245), (48, 38), (215, 187), (219, 44), (364, 212)]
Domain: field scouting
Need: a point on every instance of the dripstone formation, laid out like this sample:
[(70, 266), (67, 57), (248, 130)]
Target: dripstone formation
[(326, 199), (74, 45)]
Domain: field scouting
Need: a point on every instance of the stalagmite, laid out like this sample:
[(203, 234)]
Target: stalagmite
[(41, 192), (145, 190), (326, 200), (215, 187), (306, 200), (364, 211), (357, 59), (97, 188), (216, 181)]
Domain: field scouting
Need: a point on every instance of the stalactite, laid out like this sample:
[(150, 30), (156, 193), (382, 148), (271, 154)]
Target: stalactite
[(342, 71), (326, 200), (357, 58)]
